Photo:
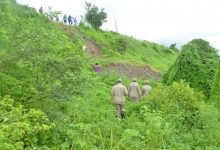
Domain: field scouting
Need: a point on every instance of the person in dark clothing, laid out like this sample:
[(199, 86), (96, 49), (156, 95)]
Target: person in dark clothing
[(41, 10), (75, 21), (97, 68), (65, 19), (70, 20)]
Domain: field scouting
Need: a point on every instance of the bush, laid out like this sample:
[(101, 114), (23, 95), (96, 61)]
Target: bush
[(22, 128), (196, 65), (176, 117), (120, 45)]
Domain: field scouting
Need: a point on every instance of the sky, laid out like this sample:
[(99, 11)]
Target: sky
[(161, 21)]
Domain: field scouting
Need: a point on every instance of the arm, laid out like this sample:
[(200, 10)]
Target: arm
[(139, 92), (126, 92), (112, 94), (129, 90)]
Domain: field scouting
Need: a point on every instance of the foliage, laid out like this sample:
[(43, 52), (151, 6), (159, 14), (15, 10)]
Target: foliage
[(120, 45), (177, 118), (196, 65), (52, 15), (173, 47), (94, 16), (215, 97), (121, 48), (38, 60), (57, 102), (22, 128)]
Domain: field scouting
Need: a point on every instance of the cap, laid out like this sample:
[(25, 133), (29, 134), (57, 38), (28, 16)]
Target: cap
[(146, 82), (119, 81), (134, 80)]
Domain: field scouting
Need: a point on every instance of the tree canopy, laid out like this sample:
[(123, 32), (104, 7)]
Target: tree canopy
[(94, 16)]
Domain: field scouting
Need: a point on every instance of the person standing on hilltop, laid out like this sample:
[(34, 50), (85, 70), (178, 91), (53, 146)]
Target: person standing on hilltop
[(146, 88), (134, 92), (118, 94), (41, 10), (75, 21), (97, 68), (70, 20), (65, 19)]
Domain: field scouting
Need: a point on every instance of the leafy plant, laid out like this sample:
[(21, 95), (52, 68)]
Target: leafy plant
[(196, 65), (94, 16)]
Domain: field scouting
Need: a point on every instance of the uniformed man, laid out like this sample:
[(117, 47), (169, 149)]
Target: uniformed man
[(119, 92), (146, 88), (134, 92)]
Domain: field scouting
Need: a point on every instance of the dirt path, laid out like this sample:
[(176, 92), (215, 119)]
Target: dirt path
[(92, 48), (132, 71)]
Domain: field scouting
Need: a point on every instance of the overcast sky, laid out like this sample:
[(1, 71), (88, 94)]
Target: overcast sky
[(161, 21)]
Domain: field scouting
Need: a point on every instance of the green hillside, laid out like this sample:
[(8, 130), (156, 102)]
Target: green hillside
[(51, 99), (116, 47), (196, 65), (215, 97)]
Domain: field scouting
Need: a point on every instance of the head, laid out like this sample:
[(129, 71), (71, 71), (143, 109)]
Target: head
[(146, 82), (119, 81), (134, 80), (96, 64)]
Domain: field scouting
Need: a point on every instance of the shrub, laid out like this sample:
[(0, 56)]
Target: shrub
[(22, 128), (176, 117), (196, 65)]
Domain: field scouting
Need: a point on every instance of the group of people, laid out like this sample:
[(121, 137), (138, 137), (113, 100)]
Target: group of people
[(70, 20), (66, 19), (134, 93)]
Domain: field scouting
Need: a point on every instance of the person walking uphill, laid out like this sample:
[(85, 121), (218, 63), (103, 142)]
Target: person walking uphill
[(97, 68), (118, 93), (146, 89), (134, 92)]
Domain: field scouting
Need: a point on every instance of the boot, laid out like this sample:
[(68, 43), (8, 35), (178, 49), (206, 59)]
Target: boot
[(122, 115)]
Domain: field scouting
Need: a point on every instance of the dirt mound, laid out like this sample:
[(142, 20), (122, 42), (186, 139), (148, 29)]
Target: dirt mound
[(132, 71), (92, 48)]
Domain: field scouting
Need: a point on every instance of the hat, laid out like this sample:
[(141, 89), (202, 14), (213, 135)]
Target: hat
[(119, 81), (146, 82), (134, 80)]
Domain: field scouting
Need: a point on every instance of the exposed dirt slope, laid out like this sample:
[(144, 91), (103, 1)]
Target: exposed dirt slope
[(132, 71), (92, 48)]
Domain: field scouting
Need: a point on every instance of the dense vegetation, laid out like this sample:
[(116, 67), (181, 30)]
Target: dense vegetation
[(196, 65), (50, 98), (215, 97)]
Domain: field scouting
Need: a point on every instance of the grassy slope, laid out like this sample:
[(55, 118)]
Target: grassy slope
[(137, 52), (215, 97), (85, 118)]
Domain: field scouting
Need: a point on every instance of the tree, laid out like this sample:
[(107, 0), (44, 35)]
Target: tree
[(94, 16), (53, 15)]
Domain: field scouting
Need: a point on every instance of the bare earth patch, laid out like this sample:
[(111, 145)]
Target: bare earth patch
[(93, 48), (133, 71)]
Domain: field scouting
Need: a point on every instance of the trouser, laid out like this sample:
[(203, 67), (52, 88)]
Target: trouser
[(134, 99), (120, 110)]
